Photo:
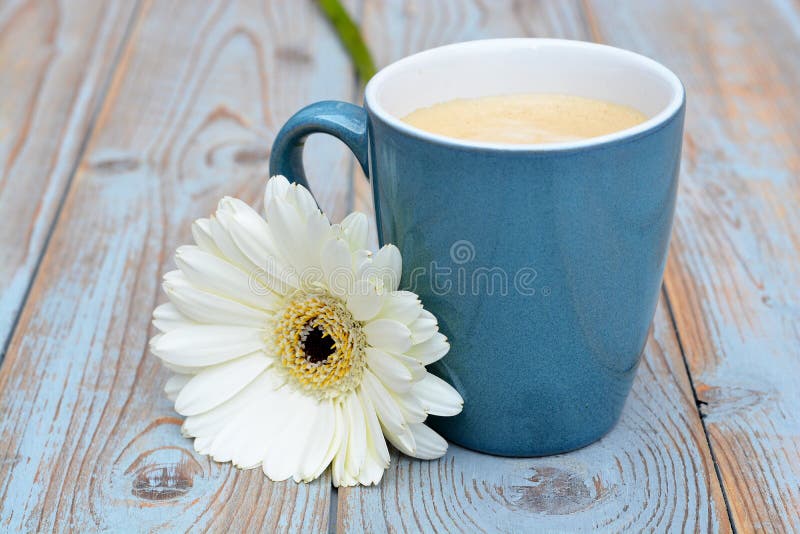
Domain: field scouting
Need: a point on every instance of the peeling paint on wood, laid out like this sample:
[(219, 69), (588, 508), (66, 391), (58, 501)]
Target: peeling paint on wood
[(55, 58), (88, 441), (732, 279)]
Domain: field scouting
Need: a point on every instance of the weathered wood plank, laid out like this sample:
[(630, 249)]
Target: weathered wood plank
[(87, 440), (733, 279), (653, 472), (55, 59)]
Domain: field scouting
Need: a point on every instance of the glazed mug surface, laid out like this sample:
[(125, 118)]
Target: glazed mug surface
[(543, 263)]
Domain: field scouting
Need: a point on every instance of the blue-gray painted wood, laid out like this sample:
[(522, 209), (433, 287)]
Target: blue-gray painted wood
[(88, 440), (733, 277), (55, 60)]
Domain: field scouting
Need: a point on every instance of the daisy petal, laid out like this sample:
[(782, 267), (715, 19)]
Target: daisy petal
[(244, 435), (203, 345), (416, 369), (340, 475), (388, 266), (201, 232), (402, 306), (318, 230), (362, 259), (215, 385), (213, 274), (437, 396), (222, 237), (411, 408), (301, 198), (277, 187), (388, 335), (375, 439), (290, 232), (337, 268), (431, 350), (209, 424), (430, 445), (175, 384), (335, 442), (203, 445), (209, 308), (319, 447), (357, 429), (252, 235), (285, 455), (167, 317), (180, 369), (355, 228), (423, 328), (372, 470), (364, 301), (402, 442), (391, 371), (389, 414)]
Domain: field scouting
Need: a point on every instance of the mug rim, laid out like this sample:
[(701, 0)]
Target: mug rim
[(653, 123)]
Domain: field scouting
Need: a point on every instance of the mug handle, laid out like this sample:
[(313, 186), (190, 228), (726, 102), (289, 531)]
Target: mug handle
[(347, 122)]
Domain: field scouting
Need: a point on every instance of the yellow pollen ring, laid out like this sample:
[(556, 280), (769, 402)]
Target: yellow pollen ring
[(342, 370)]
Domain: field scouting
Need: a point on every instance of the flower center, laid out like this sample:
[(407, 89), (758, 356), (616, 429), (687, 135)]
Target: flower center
[(315, 344), (320, 345)]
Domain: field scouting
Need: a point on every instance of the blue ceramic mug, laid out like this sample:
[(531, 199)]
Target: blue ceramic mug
[(542, 262)]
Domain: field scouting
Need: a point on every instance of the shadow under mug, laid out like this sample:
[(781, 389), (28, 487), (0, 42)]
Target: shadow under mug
[(543, 263)]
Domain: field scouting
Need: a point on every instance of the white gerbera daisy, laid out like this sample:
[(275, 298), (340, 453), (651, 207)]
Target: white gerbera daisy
[(293, 347)]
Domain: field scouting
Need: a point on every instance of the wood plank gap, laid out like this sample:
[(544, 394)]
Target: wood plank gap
[(699, 403), (590, 22), (734, 248), (333, 510), (73, 171)]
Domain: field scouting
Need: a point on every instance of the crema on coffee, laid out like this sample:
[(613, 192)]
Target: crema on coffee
[(525, 118)]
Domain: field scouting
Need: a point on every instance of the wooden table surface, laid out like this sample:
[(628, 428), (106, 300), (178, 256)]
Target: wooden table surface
[(121, 122)]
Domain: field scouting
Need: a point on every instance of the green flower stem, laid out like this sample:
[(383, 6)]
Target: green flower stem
[(350, 37)]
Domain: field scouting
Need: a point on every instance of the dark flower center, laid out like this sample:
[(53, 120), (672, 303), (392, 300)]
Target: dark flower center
[(317, 346), (321, 346)]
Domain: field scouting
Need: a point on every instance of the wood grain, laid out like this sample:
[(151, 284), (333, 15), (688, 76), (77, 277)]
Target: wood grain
[(733, 275), (87, 440), (654, 472), (55, 60)]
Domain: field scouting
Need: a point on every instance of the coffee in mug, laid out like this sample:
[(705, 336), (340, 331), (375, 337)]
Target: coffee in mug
[(528, 118)]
